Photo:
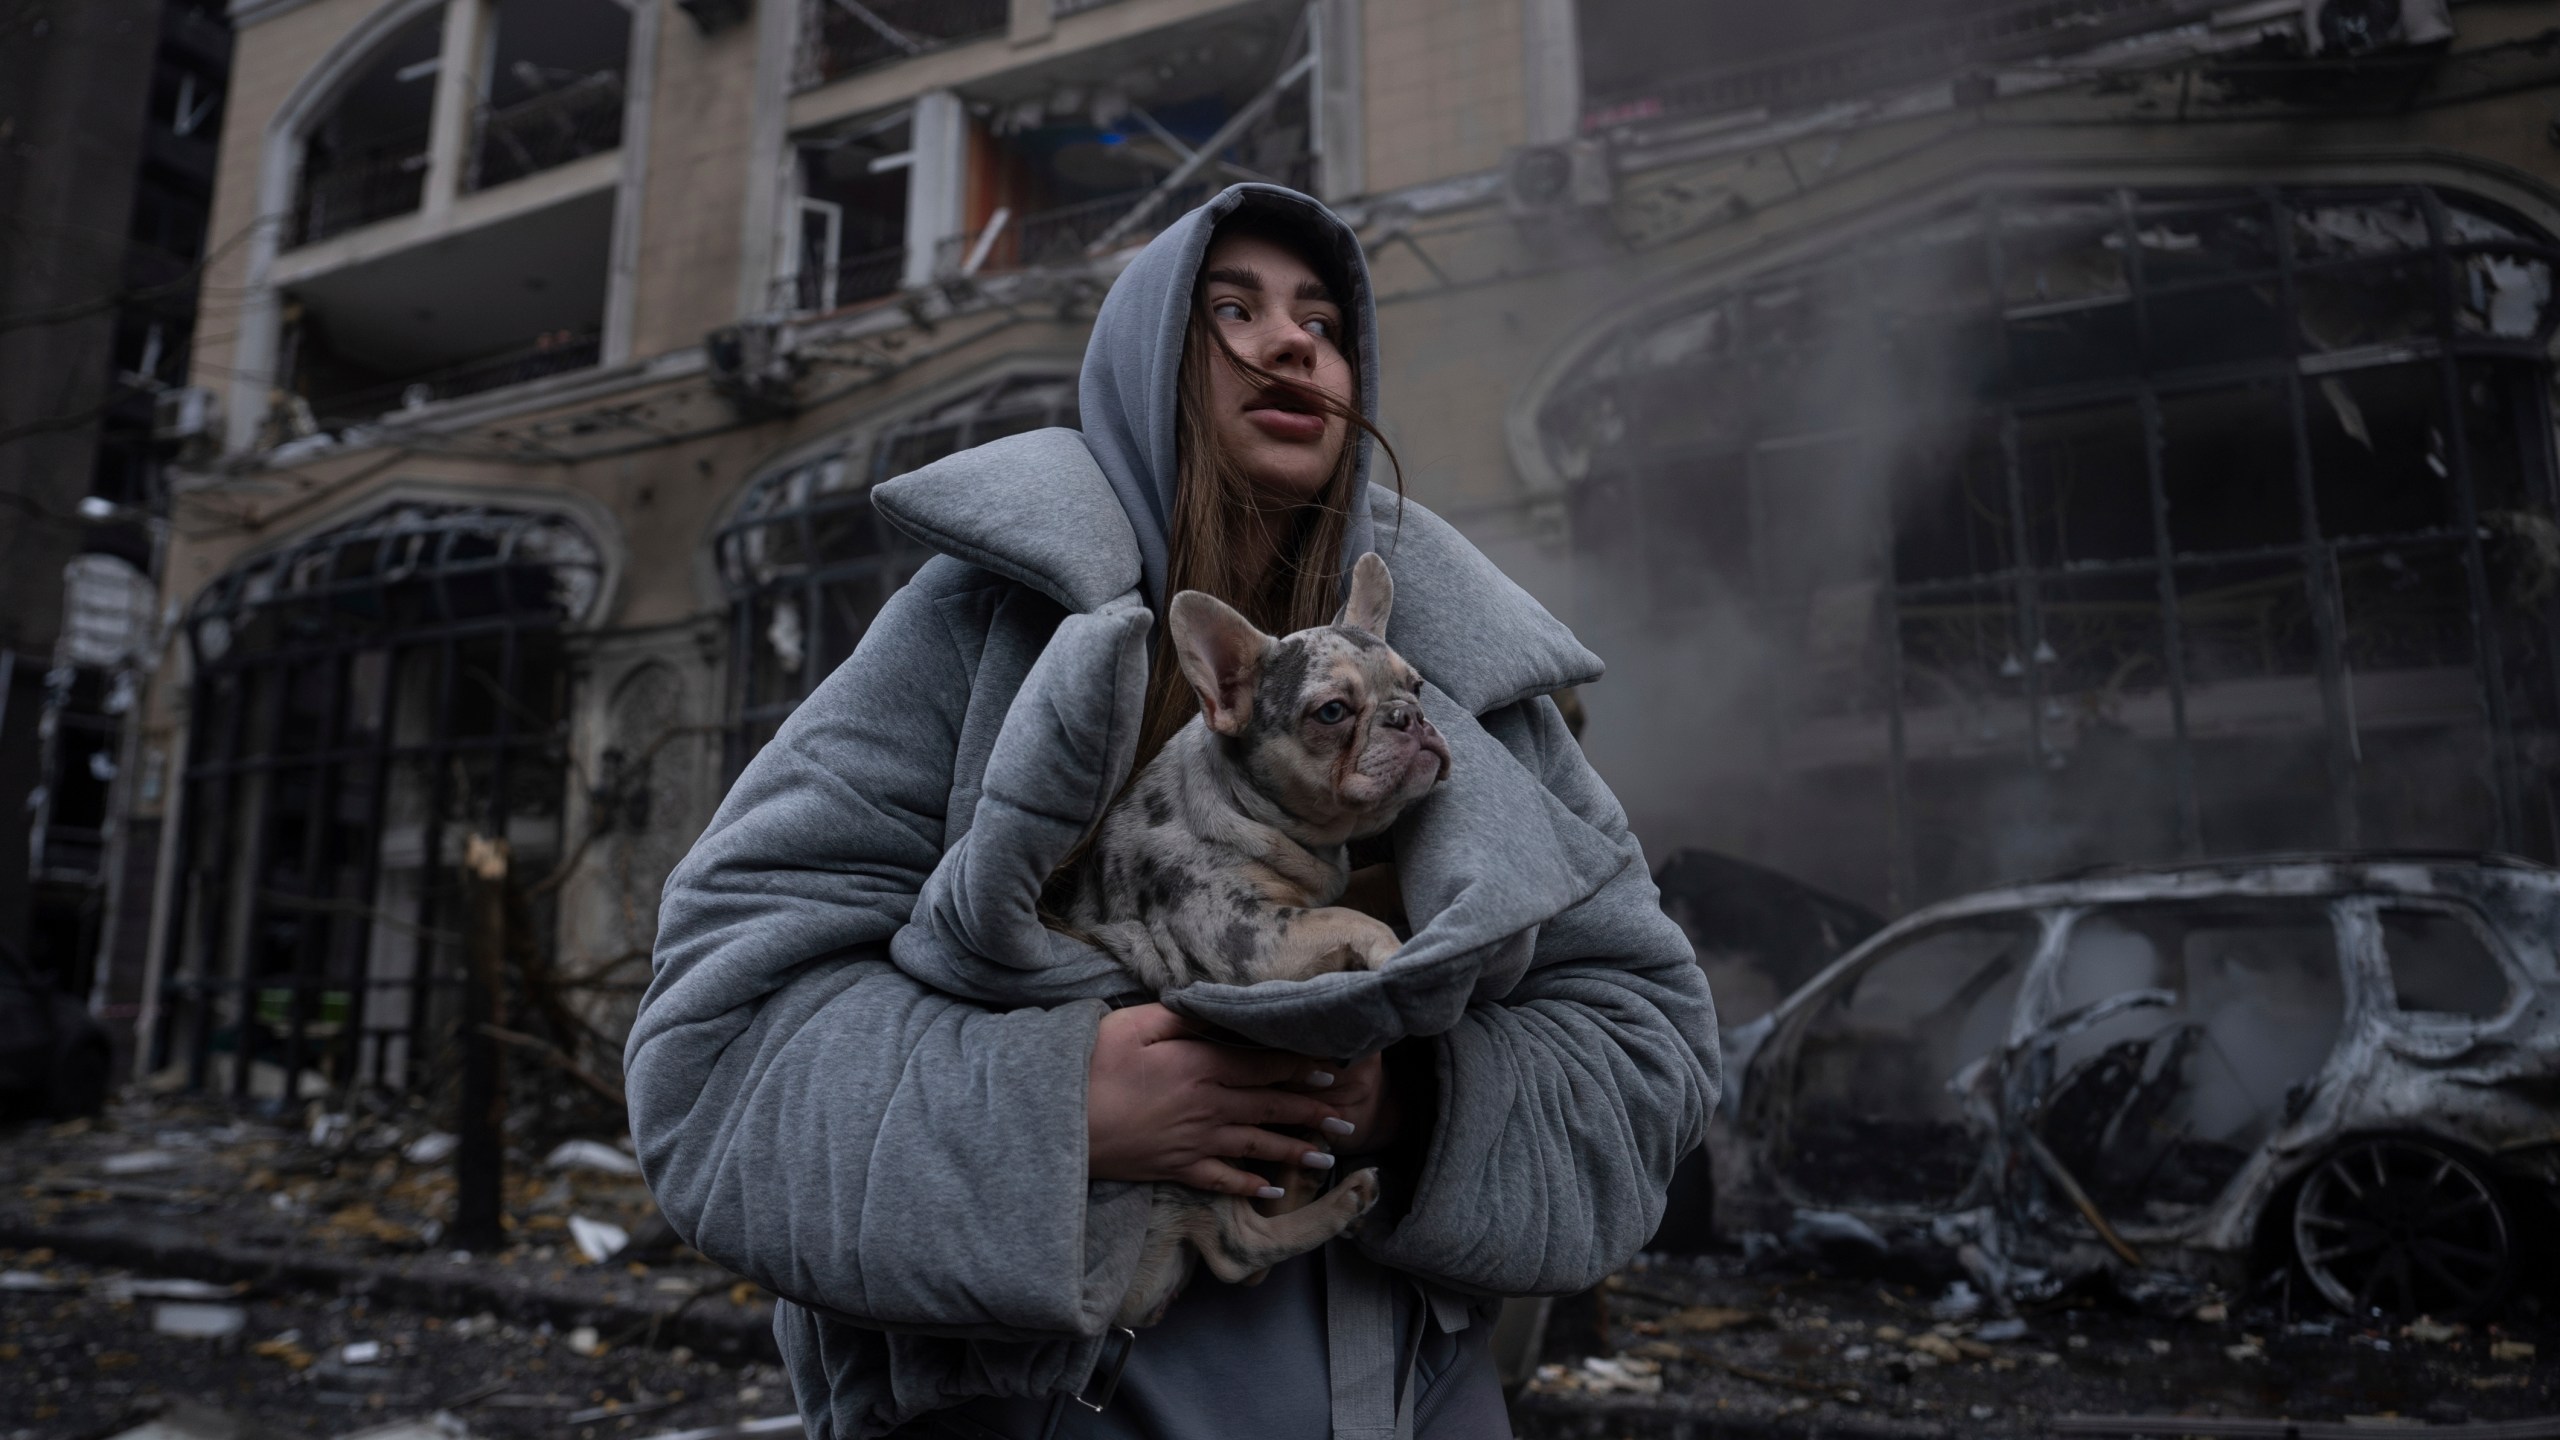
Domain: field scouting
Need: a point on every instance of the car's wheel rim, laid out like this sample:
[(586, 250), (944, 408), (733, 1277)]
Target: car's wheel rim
[(2401, 1227)]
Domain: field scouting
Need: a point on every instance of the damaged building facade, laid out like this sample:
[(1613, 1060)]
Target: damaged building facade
[(1983, 439)]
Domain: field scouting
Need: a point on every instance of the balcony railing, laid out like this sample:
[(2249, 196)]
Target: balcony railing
[(1054, 237), (581, 118), (343, 192), (553, 354), (818, 290), (839, 37)]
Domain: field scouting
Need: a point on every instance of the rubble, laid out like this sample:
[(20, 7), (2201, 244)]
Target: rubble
[(199, 1321), (433, 1148), (598, 1240), (75, 1362), (1791, 1354), (592, 1155)]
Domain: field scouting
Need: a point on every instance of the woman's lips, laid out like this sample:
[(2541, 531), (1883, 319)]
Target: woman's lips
[(1286, 424)]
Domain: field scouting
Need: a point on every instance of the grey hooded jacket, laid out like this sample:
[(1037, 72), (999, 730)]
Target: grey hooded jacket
[(859, 1074)]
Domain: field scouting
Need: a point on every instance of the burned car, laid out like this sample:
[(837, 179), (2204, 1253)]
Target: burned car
[(2349, 1065)]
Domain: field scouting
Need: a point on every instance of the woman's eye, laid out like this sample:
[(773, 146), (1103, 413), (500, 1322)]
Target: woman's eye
[(1332, 712), (1321, 328), (1228, 310)]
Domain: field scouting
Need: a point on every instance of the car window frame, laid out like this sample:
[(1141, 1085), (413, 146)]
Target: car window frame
[(2376, 958), (1796, 1011), (1788, 1022), (2040, 1003)]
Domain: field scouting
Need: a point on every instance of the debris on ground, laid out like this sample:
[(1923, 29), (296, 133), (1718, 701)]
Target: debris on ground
[(311, 1290), (198, 1321), (433, 1148), (592, 1155), (1599, 1375), (598, 1240), (1714, 1344), (78, 1363)]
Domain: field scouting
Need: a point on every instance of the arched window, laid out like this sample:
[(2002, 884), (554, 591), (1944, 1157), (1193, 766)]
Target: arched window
[(807, 562), (362, 701), (546, 88), (2111, 525)]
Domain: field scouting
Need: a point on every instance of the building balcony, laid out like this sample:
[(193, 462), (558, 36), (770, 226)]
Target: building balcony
[(580, 118), (839, 37), (342, 193)]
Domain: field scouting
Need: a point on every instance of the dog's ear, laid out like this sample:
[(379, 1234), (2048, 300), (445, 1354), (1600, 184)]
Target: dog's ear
[(1221, 655), (1373, 594)]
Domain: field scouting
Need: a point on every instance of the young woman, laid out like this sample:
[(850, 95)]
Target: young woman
[(866, 1077)]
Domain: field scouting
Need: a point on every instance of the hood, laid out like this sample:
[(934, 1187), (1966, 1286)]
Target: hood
[(1132, 364)]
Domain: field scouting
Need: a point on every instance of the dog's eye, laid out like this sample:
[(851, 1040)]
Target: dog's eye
[(1332, 712)]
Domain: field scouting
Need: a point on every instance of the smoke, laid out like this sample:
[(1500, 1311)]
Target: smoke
[(1740, 458)]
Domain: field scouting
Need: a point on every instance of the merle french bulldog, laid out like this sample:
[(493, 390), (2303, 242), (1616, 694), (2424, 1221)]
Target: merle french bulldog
[(1223, 860)]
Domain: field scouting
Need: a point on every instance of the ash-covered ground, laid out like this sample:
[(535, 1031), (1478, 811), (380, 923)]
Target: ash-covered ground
[(223, 1278), (81, 1355), (1752, 1349)]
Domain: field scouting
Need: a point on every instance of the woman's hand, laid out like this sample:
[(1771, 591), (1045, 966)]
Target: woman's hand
[(1161, 1105), (1361, 1094)]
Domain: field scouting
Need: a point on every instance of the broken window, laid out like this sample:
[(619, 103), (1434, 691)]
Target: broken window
[(492, 304), (2181, 1037), (849, 221), (553, 91), (1875, 1069), (499, 304), (366, 159), (1108, 146), (839, 37), (363, 700), (2108, 525), (2440, 965), (807, 562)]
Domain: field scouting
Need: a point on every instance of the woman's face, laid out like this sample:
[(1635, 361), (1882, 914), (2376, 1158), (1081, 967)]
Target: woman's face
[(1275, 313)]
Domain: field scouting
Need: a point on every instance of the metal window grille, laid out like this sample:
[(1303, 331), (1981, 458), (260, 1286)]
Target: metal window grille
[(362, 702), (807, 561), (2102, 457)]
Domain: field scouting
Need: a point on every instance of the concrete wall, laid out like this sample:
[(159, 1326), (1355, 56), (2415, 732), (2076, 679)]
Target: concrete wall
[(1447, 88)]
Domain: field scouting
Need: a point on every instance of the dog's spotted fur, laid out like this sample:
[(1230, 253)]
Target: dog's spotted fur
[(1223, 860)]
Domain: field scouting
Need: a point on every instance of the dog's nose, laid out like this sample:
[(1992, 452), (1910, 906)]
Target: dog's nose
[(1398, 716)]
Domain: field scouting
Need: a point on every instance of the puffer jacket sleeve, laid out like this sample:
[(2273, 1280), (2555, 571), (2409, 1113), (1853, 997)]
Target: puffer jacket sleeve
[(809, 1116), (1564, 1104)]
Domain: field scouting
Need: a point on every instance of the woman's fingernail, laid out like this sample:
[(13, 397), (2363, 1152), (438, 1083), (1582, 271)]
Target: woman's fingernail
[(1321, 1079), (1272, 1192), (1333, 1125), (1316, 1160)]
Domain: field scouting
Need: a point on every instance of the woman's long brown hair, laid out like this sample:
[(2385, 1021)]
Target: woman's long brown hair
[(1215, 502)]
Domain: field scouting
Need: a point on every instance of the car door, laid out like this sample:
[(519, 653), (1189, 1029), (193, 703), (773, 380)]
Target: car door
[(1861, 1092), (2171, 1040)]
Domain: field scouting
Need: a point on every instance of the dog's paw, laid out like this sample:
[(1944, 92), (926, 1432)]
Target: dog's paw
[(1362, 1189)]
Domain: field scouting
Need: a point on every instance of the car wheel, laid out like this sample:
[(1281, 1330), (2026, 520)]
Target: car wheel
[(79, 1083), (2403, 1226)]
